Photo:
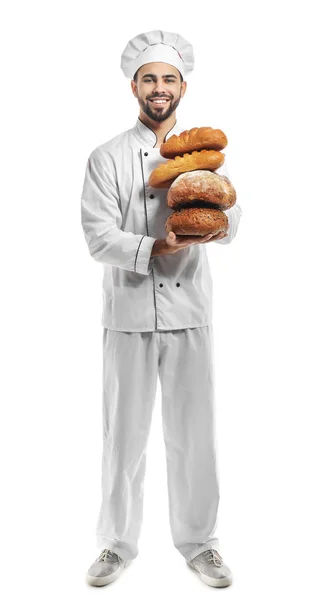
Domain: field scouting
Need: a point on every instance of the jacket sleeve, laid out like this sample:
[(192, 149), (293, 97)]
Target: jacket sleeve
[(101, 220), (234, 213)]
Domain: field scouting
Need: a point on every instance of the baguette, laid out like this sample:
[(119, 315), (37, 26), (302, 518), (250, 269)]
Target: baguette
[(164, 175), (197, 138)]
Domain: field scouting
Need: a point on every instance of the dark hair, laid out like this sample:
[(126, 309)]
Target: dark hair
[(136, 75)]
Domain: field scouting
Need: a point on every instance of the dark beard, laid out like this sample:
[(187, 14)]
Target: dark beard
[(155, 114)]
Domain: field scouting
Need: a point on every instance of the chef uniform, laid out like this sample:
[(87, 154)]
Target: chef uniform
[(157, 321)]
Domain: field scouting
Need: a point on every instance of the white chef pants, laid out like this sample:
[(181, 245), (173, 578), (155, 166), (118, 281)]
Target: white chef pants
[(184, 360)]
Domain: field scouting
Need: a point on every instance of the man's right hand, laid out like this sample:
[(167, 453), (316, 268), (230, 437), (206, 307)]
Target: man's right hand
[(176, 242), (173, 243)]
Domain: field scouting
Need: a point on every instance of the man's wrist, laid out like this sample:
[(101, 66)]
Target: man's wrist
[(160, 247)]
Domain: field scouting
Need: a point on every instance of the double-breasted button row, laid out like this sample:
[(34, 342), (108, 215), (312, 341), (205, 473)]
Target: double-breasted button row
[(161, 284), (152, 196)]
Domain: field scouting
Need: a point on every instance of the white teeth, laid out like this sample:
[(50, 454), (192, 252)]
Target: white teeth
[(159, 101)]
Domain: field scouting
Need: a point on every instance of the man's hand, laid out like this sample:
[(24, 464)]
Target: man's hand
[(173, 243), (218, 236), (176, 242)]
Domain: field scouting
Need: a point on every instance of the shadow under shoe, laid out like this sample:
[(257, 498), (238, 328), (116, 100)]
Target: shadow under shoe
[(211, 568), (106, 568)]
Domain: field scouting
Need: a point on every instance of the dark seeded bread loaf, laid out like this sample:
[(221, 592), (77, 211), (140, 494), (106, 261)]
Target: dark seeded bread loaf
[(197, 221)]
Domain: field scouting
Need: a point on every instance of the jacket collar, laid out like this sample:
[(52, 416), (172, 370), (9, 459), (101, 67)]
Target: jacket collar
[(147, 137)]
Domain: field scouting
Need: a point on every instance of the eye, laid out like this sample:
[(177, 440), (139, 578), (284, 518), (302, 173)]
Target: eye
[(147, 80)]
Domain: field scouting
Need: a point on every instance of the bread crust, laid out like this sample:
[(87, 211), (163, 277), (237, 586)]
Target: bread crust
[(197, 138), (197, 221), (163, 175), (201, 187)]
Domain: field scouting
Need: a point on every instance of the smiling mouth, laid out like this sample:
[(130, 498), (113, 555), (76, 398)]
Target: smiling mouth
[(159, 101)]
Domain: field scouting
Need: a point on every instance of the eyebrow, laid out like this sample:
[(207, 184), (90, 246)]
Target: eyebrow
[(152, 75)]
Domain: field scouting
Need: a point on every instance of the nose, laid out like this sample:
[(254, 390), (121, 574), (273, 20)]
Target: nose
[(159, 88)]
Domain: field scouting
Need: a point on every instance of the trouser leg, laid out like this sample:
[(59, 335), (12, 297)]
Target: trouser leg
[(130, 371), (186, 371)]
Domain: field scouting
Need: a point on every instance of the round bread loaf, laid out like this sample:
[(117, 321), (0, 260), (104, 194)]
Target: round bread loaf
[(197, 221), (197, 138), (163, 175), (201, 187)]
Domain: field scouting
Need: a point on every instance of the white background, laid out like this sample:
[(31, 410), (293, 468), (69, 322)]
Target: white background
[(64, 94)]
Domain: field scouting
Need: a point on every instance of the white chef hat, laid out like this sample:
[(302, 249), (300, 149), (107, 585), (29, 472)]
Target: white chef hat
[(157, 46)]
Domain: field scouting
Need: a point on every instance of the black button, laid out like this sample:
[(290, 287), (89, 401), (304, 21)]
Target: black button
[(146, 153), (178, 284), (161, 284), (151, 196)]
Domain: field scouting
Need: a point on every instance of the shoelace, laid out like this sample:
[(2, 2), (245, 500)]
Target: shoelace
[(213, 556), (104, 553)]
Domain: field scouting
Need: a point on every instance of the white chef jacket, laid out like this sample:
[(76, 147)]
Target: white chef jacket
[(122, 216)]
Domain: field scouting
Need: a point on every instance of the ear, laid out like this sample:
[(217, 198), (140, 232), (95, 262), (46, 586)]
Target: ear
[(183, 88), (133, 87)]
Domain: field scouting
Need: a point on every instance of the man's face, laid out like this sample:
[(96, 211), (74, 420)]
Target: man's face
[(158, 81)]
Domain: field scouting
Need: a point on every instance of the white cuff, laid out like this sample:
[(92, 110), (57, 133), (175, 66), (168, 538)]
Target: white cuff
[(144, 261)]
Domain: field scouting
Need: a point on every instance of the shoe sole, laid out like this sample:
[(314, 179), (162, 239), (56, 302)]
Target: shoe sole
[(223, 582), (99, 581)]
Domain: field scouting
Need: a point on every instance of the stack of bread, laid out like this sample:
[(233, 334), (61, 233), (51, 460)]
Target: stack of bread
[(197, 195)]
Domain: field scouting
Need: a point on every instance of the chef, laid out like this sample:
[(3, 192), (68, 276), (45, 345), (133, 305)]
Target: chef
[(157, 321)]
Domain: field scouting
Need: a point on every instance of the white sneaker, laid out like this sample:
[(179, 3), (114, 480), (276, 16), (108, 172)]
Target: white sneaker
[(211, 568), (105, 568)]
